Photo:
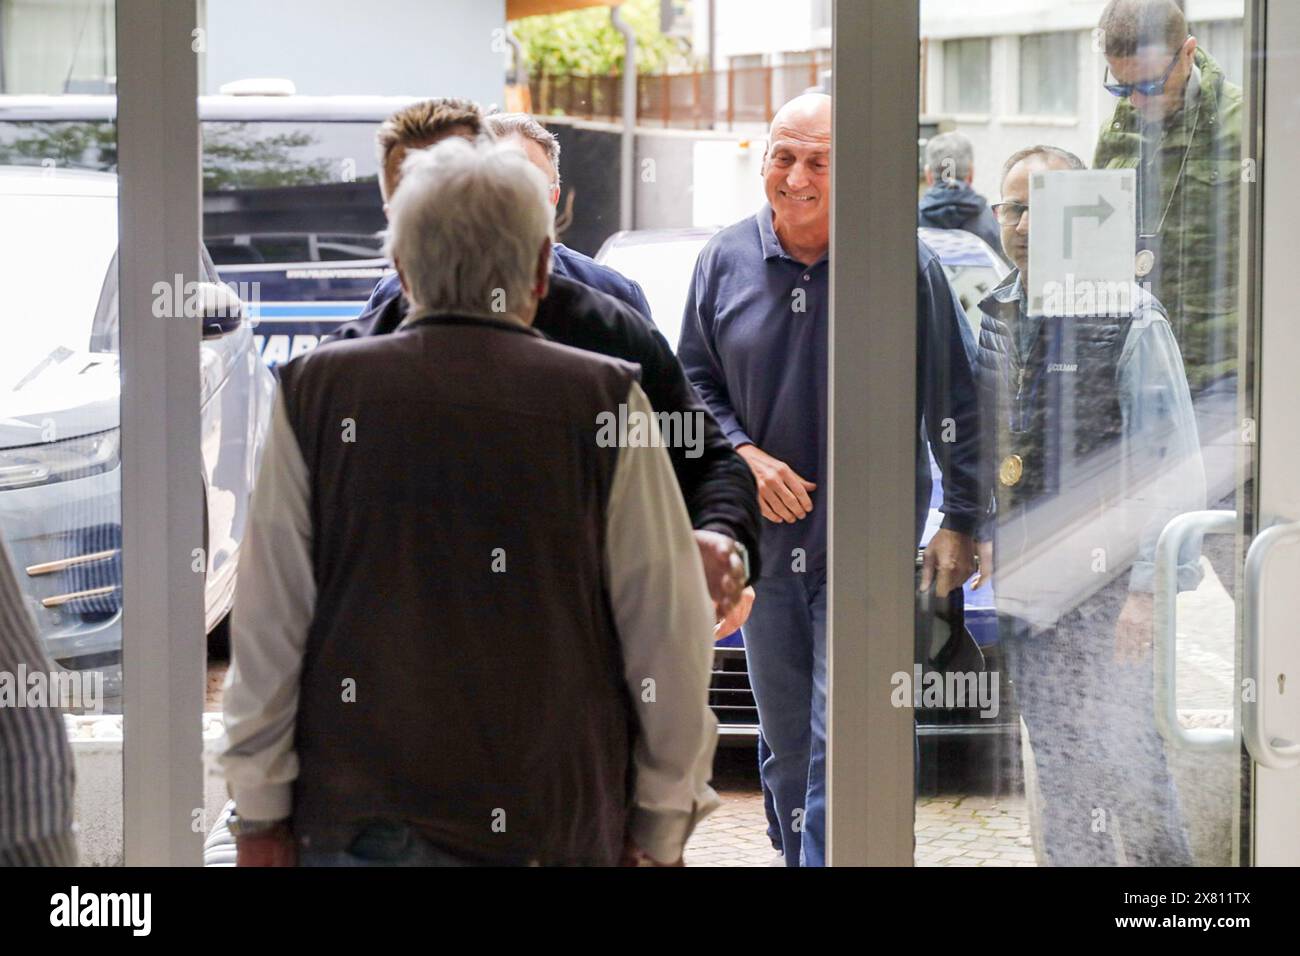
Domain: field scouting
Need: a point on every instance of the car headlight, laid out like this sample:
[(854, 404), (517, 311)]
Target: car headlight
[(57, 461)]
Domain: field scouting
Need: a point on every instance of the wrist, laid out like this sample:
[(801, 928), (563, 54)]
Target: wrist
[(714, 532), (245, 829), (743, 552)]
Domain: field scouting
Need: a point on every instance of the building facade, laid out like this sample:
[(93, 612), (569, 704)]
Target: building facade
[(1002, 72)]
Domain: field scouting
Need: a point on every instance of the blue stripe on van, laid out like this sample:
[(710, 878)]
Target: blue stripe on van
[(294, 310)]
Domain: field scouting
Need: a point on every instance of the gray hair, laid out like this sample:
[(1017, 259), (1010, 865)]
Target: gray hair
[(467, 225), (949, 156), (1070, 160), (505, 125)]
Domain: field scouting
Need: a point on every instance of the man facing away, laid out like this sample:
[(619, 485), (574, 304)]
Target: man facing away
[(465, 622), (1178, 124), (717, 485), (1091, 449), (543, 151), (754, 342), (950, 201)]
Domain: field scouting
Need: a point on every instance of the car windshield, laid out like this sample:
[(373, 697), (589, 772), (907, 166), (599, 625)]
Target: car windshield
[(664, 271), (55, 252)]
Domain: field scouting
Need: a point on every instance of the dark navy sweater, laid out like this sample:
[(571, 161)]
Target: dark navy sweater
[(754, 345)]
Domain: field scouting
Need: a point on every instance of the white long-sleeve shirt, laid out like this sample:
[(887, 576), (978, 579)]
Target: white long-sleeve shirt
[(661, 606)]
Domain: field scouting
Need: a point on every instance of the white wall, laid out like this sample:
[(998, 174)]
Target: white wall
[(759, 26), (999, 133), (381, 47), (1003, 130), (955, 18), (778, 26)]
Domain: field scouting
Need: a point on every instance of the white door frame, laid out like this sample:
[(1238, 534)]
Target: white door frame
[(163, 651), (872, 429), (872, 433), (1276, 805)]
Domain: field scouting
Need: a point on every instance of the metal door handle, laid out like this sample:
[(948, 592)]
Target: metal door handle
[(1277, 753), (1165, 637)]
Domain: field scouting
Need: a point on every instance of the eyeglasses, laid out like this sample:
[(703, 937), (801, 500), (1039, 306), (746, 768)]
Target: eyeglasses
[(1145, 87), (1009, 213)]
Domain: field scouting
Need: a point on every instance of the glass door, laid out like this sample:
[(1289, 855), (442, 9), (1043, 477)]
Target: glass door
[(1100, 692), (1108, 686), (1270, 650)]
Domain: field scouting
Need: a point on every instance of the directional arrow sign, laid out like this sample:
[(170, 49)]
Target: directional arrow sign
[(1081, 242), (1100, 210)]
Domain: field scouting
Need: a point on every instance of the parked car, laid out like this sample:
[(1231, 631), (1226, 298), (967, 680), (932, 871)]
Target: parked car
[(60, 475), (290, 195), (662, 260)]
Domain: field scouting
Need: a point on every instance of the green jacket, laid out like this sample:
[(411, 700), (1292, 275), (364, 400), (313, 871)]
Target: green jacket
[(1197, 249)]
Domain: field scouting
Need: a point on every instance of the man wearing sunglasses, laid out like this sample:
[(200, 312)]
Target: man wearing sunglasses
[(1178, 123)]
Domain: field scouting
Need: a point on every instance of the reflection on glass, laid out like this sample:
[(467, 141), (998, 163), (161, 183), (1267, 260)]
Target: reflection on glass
[(1107, 411), (60, 440), (966, 75)]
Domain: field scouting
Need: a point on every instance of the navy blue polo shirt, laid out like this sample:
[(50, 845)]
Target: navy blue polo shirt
[(754, 344)]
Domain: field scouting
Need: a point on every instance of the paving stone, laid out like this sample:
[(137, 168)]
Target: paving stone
[(951, 830)]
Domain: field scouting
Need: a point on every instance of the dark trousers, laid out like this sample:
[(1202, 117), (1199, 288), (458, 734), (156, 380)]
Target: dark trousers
[(384, 844)]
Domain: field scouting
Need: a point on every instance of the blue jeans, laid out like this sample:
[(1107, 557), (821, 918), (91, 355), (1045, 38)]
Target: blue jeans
[(769, 805), (384, 844), (785, 647), (1107, 795)]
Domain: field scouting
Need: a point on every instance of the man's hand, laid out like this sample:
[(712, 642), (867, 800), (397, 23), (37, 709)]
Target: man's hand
[(782, 494), (1133, 631), (633, 855), (275, 847), (724, 571), (984, 550), (951, 556), (738, 616)]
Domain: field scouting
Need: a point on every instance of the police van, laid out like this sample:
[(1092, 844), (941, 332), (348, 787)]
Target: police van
[(291, 204), (292, 224)]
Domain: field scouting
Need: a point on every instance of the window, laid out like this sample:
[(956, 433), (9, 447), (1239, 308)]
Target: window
[(273, 189), (1223, 40), (1049, 74), (76, 144), (57, 46), (966, 75)]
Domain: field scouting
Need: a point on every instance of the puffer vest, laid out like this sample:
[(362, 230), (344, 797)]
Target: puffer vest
[(1054, 406)]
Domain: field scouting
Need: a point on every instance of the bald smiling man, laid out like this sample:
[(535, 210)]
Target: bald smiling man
[(754, 344)]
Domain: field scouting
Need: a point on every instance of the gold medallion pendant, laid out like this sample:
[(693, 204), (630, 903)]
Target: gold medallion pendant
[(1145, 262), (1009, 472)]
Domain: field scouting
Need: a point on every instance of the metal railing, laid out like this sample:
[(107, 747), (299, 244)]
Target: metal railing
[(702, 99)]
